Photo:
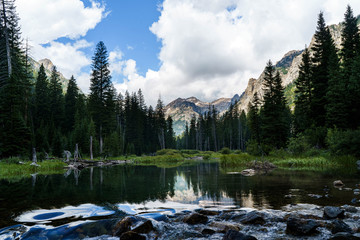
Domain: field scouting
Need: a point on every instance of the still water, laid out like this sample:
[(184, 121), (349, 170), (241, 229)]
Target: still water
[(104, 192)]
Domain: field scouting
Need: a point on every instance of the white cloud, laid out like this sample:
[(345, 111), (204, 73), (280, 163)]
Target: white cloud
[(44, 22), (211, 48)]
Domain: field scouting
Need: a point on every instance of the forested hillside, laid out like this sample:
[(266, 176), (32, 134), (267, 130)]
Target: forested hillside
[(36, 114)]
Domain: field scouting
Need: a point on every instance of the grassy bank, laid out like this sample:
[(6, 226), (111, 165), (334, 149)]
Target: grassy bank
[(316, 160), (9, 169)]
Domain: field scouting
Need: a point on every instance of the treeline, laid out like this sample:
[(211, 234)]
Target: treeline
[(327, 104), (35, 113)]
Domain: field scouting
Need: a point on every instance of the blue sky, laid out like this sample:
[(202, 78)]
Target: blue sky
[(173, 48), (126, 27)]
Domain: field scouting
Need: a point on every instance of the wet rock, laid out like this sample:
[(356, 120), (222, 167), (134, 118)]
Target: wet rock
[(248, 172), (196, 218), (333, 212), (340, 226), (344, 236), (300, 227), (132, 236), (123, 226), (223, 227), (235, 235), (208, 231), (338, 183), (349, 208), (208, 212), (145, 227), (253, 217)]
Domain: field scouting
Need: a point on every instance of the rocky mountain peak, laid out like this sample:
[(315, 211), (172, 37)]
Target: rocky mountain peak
[(48, 65)]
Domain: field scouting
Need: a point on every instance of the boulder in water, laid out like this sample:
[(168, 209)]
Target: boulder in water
[(196, 218), (338, 183), (300, 227), (235, 235), (333, 212), (145, 227), (340, 226), (253, 217), (132, 236)]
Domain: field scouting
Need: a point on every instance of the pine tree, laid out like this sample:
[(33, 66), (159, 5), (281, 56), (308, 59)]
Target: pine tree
[(42, 107), (160, 123), (349, 85), (350, 42), (274, 119), (170, 141), (303, 92), (71, 97), (254, 119), (56, 98), (323, 49), (14, 85), (101, 95)]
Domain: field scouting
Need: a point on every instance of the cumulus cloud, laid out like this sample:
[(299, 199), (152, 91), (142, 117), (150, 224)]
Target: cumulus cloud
[(43, 22), (211, 48)]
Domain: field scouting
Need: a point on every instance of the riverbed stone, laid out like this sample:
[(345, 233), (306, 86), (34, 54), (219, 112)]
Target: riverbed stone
[(340, 226), (208, 212), (344, 236), (208, 231), (253, 217), (223, 227), (236, 235), (300, 227), (333, 212), (132, 236), (123, 226), (196, 218), (145, 227), (338, 183)]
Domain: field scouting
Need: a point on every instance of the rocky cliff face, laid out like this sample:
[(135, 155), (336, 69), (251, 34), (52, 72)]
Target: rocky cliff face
[(183, 109), (48, 65), (289, 71)]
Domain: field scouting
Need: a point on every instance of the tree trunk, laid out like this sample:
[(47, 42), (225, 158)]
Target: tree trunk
[(91, 152), (6, 34), (101, 140)]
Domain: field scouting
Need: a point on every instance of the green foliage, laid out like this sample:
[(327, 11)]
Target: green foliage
[(167, 152), (298, 145), (342, 142), (225, 150), (275, 116), (14, 170), (253, 148), (231, 160)]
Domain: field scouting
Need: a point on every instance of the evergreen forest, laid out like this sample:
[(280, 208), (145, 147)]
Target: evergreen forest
[(35, 113)]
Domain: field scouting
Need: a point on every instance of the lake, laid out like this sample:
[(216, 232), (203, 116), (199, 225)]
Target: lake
[(101, 193)]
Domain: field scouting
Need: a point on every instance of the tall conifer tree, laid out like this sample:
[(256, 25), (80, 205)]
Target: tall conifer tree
[(101, 95)]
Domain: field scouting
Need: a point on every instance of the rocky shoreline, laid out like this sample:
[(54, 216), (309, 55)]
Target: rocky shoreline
[(295, 221)]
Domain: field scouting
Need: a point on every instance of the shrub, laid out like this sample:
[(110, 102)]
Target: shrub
[(344, 142), (189, 151), (299, 145), (167, 152), (225, 150), (253, 148)]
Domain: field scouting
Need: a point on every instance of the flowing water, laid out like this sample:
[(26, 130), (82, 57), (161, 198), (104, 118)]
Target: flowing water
[(97, 196)]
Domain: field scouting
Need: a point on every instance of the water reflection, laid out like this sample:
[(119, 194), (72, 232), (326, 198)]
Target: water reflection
[(200, 185)]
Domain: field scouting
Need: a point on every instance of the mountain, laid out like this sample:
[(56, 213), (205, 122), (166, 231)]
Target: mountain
[(48, 65), (288, 67), (183, 109)]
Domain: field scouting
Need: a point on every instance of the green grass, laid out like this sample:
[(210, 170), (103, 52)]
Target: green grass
[(11, 170)]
